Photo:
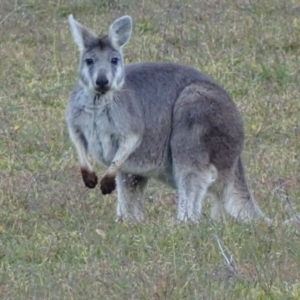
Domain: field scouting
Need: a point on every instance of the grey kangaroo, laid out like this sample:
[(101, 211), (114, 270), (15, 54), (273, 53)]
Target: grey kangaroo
[(155, 120)]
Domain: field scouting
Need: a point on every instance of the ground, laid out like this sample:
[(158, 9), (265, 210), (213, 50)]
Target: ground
[(58, 240)]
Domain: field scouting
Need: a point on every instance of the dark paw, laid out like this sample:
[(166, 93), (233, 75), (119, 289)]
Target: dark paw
[(107, 184), (89, 178)]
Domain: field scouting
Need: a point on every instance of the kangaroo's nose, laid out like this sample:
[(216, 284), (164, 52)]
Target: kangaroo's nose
[(102, 81)]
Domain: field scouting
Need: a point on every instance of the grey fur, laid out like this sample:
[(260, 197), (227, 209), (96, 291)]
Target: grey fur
[(160, 120)]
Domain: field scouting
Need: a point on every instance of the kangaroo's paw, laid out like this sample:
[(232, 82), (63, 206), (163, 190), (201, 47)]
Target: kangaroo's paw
[(89, 178), (108, 184)]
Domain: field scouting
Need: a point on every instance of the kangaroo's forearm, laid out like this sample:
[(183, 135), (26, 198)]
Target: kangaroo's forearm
[(127, 147), (81, 148), (88, 175)]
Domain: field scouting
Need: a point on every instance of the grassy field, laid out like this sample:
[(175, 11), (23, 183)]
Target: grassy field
[(58, 240)]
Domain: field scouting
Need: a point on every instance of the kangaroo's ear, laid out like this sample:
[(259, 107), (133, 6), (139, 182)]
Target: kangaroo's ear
[(82, 36), (120, 31)]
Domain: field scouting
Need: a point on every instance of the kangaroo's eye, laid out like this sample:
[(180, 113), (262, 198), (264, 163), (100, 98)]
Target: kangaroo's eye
[(89, 61), (114, 60)]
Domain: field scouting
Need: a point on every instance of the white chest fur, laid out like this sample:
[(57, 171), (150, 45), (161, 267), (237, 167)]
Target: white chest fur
[(99, 131)]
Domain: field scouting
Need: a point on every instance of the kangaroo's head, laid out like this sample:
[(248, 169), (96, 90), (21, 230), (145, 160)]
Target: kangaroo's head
[(101, 61)]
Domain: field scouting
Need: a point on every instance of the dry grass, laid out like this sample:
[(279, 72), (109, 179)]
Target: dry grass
[(58, 240)]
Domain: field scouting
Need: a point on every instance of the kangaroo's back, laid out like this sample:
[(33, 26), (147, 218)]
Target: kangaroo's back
[(157, 83)]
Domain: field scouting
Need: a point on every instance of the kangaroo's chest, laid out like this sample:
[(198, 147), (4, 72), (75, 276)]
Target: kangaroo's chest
[(100, 134)]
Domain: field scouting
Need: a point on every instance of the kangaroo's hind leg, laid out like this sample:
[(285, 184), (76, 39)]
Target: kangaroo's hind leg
[(193, 171), (130, 190), (192, 184), (216, 208)]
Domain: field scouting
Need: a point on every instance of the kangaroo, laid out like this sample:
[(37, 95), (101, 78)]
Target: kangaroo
[(155, 120)]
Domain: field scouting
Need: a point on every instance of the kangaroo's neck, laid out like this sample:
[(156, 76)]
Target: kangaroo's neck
[(96, 100)]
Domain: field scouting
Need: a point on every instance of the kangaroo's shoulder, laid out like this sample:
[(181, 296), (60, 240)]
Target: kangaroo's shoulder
[(75, 101)]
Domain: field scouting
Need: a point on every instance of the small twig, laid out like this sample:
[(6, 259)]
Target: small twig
[(232, 265), (229, 262), (296, 216), (222, 251), (279, 190), (10, 13)]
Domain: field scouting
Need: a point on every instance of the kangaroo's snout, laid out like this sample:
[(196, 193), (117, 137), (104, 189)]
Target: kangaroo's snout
[(102, 84)]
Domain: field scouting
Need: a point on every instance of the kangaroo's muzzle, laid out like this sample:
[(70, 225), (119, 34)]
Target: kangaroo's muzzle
[(102, 84)]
